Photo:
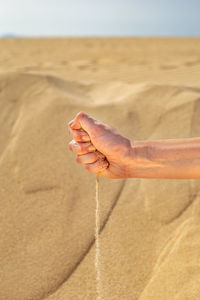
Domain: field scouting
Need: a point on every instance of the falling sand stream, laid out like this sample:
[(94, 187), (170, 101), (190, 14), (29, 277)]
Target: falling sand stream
[(97, 250)]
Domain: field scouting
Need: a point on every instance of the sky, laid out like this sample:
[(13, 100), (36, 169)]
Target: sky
[(37, 18)]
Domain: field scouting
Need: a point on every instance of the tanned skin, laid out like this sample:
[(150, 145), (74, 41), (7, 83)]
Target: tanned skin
[(104, 151)]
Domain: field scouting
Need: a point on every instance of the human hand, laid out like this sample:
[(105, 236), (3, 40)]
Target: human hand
[(100, 147)]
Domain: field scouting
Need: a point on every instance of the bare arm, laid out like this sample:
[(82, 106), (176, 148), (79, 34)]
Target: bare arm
[(170, 158), (103, 150)]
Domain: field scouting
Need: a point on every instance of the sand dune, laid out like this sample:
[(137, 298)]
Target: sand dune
[(149, 228)]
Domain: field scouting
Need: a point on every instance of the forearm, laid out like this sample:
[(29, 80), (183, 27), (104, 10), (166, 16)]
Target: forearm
[(170, 158)]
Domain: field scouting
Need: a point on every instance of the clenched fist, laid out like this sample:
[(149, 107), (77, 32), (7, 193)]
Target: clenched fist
[(100, 147)]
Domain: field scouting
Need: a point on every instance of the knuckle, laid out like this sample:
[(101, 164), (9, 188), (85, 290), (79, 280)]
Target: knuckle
[(80, 114)]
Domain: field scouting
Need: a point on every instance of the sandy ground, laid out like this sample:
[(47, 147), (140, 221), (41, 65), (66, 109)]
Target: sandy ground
[(150, 238)]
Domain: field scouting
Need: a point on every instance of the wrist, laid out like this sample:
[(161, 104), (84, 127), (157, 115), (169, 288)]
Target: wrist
[(140, 158)]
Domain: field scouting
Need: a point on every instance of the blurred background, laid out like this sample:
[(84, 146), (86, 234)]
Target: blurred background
[(37, 18)]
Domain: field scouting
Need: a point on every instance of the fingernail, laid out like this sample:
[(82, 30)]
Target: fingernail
[(76, 145)]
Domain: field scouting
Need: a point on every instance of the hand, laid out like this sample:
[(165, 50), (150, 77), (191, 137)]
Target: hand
[(100, 147)]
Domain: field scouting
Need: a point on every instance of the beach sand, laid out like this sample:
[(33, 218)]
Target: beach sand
[(148, 88)]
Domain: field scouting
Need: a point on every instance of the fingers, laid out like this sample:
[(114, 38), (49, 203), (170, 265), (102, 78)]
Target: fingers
[(94, 161), (82, 128), (88, 124), (88, 158), (97, 167), (76, 123), (81, 148), (79, 135)]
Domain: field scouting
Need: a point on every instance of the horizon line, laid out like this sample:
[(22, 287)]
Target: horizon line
[(13, 36)]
